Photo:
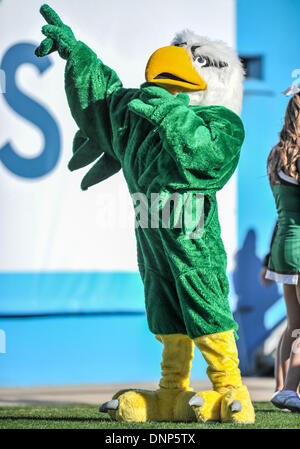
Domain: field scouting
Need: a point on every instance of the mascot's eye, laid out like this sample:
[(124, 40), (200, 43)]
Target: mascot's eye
[(204, 61)]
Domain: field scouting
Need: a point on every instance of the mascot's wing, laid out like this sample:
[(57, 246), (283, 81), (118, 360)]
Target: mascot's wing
[(89, 85), (85, 151)]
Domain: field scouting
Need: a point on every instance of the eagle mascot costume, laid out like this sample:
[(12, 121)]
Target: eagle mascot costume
[(180, 132)]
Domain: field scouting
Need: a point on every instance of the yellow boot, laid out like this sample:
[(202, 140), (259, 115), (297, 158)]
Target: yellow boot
[(230, 400), (171, 401)]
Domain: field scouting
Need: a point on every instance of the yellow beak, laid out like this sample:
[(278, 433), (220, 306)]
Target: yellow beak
[(171, 67)]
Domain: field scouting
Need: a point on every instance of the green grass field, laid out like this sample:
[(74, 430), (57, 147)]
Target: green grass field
[(87, 417)]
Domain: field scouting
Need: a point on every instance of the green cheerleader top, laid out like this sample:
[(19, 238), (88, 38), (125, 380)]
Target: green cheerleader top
[(284, 260)]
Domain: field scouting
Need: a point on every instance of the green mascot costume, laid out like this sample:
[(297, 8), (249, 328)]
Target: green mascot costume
[(179, 133)]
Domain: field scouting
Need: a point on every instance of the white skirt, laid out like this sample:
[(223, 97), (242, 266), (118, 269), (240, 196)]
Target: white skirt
[(291, 279)]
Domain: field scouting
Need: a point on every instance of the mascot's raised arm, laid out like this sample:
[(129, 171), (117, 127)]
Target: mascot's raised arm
[(179, 133)]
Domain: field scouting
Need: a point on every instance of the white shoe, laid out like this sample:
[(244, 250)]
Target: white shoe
[(288, 399)]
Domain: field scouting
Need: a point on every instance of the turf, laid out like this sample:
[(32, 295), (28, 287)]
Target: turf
[(87, 417)]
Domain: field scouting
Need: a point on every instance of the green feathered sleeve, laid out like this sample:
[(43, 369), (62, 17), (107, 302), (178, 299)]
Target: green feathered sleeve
[(89, 84), (204, 142)]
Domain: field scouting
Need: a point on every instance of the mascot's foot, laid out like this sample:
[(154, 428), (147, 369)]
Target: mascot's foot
[(237, 407), (142, 405), (207, 406), (234, 406)]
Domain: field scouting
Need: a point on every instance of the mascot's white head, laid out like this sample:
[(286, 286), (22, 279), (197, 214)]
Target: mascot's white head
[(209, 72)]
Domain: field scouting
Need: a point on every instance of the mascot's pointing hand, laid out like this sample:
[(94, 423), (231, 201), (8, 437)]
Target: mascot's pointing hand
[(59, 36)]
